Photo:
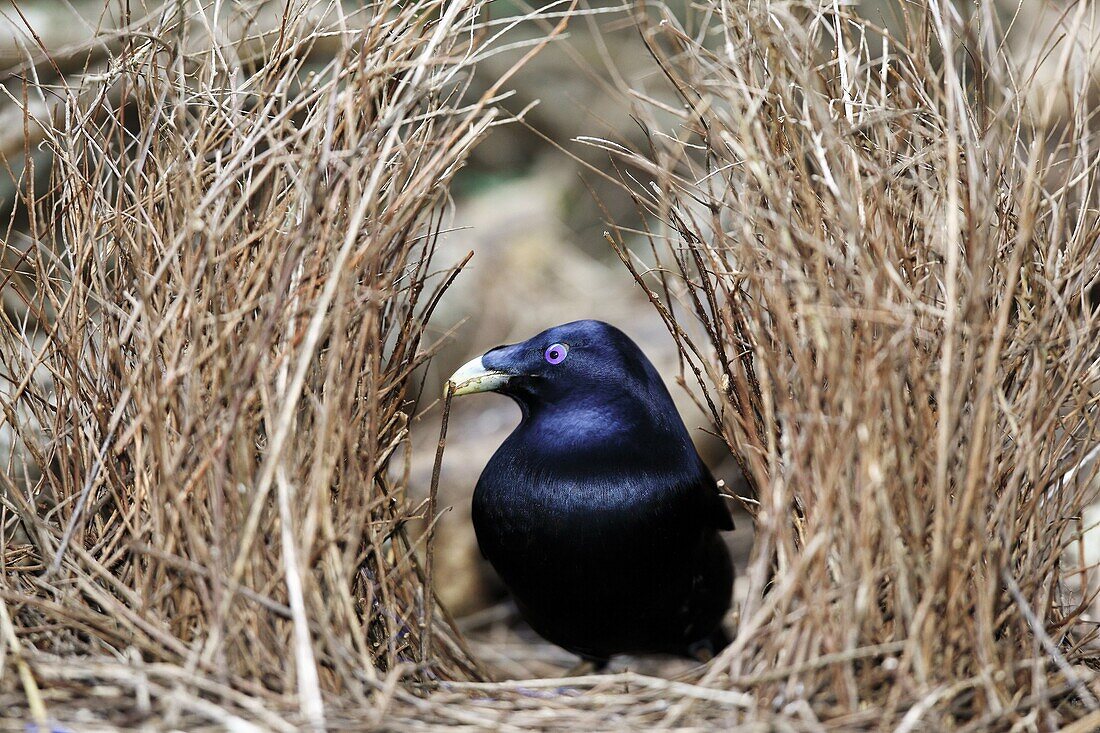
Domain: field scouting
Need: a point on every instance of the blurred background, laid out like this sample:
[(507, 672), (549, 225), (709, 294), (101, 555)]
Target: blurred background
[(532, 206)]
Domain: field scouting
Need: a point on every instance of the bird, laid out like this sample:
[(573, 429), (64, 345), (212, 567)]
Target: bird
[(597, 512)]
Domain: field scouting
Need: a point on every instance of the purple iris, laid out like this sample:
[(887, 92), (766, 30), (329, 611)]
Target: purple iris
[(556, 353)]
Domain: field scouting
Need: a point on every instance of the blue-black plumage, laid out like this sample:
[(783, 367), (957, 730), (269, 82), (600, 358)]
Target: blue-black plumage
[(597, 511)]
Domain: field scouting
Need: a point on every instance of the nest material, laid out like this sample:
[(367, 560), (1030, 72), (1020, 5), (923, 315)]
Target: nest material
[(215, 308)]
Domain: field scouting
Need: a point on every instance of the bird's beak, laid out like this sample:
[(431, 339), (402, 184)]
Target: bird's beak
[(474, 376)]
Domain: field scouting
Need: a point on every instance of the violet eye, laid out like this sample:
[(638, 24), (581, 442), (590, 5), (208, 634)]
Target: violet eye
[(556, 353)]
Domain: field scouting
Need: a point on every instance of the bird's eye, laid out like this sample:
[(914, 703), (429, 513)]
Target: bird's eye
[(556, 353)]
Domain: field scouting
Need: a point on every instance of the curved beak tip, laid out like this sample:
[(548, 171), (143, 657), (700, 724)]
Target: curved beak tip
[(472, 377)]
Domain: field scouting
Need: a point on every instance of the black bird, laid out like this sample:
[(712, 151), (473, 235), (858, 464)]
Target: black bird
[(597, 512)]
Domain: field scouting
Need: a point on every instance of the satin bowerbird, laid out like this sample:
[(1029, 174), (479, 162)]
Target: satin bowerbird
[(597, 511)]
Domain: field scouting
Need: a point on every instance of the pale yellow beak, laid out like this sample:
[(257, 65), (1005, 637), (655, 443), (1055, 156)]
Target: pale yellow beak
[(473, 377)]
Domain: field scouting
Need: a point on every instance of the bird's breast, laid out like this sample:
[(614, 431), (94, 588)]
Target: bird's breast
[(601, 557), (533, 510)]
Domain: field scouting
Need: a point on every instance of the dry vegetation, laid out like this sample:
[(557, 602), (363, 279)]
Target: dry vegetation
[(214, 311), (219, 306), (890, 254)]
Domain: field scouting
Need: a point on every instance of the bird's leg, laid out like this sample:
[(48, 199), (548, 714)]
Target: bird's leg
[(704, 650), (586, 665)]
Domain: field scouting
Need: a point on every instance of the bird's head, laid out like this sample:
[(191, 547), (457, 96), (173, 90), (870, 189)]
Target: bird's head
[(579, 363)]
